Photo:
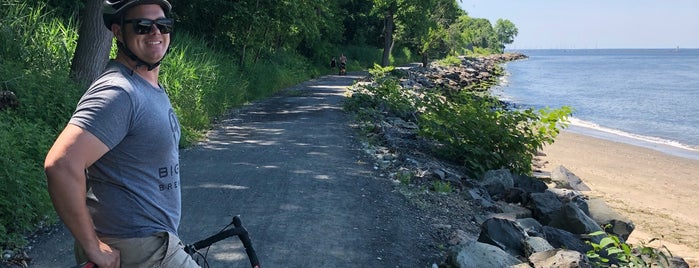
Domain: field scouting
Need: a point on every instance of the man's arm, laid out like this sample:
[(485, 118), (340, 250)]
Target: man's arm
[(74, 150)]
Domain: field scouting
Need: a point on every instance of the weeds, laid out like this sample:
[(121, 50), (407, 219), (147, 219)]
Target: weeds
[(612, 252), (442, 187)]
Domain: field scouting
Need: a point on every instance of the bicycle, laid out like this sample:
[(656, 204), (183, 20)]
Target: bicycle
[(226, 232)]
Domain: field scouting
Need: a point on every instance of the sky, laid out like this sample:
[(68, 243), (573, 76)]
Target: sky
[(576, 24)]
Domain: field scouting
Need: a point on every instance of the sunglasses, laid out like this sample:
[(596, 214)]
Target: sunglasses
[(145, 26)]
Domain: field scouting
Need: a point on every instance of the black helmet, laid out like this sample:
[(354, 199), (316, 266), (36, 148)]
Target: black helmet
[(112, 9)]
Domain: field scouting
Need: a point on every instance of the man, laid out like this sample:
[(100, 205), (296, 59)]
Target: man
[(113, 173)]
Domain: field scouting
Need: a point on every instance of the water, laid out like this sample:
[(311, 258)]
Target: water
[(644, 97)]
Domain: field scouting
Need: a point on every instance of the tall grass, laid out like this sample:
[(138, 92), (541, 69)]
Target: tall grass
[(36, 52), (201, 84)]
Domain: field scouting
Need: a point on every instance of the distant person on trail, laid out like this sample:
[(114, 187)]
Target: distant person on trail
[(343, 59), (113, 172), (343, 64), (333, 63)]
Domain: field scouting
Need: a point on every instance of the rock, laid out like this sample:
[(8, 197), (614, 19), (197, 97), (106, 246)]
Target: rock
[(572, 219), (563, 239), (472, 254), (496, 182), (601, 213), (478, 195), (512, 211), (544, 206), (558, 258), (503, 233), (530, 184), (568, 180), (531, 226), (535, 245)]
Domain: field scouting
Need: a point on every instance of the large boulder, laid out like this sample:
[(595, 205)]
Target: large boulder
[(559, 238), (601, 213), (544, 206), (506, 234), (473, 254), (566, 179), (497, 182), (572, 219)]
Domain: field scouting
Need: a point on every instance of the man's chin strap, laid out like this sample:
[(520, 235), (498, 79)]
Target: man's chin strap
[(138, 61)]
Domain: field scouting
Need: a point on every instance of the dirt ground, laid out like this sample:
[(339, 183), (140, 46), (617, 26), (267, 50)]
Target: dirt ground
[(657, 191)]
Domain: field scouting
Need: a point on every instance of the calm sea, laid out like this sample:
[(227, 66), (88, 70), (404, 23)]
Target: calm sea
[(644, 97)]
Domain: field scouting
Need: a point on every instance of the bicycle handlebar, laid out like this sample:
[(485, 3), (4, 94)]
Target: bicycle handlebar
[(238, 230)]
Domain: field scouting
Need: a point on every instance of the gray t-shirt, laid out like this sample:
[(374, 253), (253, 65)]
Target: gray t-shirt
[(134, 189)]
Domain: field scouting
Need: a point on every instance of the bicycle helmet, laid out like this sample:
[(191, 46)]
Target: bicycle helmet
[(113, 9)]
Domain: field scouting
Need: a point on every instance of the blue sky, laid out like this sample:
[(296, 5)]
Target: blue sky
[(570, 24)]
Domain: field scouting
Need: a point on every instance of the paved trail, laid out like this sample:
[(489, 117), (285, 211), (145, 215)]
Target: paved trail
[(292, 167)]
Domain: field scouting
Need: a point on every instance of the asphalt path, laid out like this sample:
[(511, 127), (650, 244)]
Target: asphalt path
[(293, 169)]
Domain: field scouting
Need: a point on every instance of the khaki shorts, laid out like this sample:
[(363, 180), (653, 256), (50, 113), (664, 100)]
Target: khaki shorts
[(159, 250)]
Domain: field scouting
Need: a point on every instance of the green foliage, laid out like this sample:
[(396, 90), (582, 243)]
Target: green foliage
[(472, 129), (202, 85), (442, 187), (379, 72), (450, 61), (477, 131), (404, 177), (387, 96), (505, 31), (612, 252), (25, 202), (36, 53)]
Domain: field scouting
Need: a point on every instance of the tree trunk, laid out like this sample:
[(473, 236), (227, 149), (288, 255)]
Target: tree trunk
[(425, 59), (94, 43), (388, 38)]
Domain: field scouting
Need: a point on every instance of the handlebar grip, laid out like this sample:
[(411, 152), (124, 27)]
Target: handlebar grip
[(247, 243)]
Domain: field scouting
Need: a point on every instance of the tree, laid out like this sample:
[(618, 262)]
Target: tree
[(506, 32), (94, 43), (399, 18)]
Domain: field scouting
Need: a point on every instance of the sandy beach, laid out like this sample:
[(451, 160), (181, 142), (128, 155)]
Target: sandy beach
[(657, 191)]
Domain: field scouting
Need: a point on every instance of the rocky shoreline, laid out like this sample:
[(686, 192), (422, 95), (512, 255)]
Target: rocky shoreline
[(501, 219)]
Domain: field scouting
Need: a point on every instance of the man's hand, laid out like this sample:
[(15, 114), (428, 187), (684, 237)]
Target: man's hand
[(104, 256)]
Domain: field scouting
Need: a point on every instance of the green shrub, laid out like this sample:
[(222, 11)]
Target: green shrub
[(472, 129), (477, 131), (450, 61), (612, 252), (442, 187)]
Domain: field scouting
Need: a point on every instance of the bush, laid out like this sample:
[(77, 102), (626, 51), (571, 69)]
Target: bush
[(472, 129), (477, 131), (612, 252)]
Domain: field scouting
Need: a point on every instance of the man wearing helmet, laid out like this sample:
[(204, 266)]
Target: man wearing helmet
[(113, 172)]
